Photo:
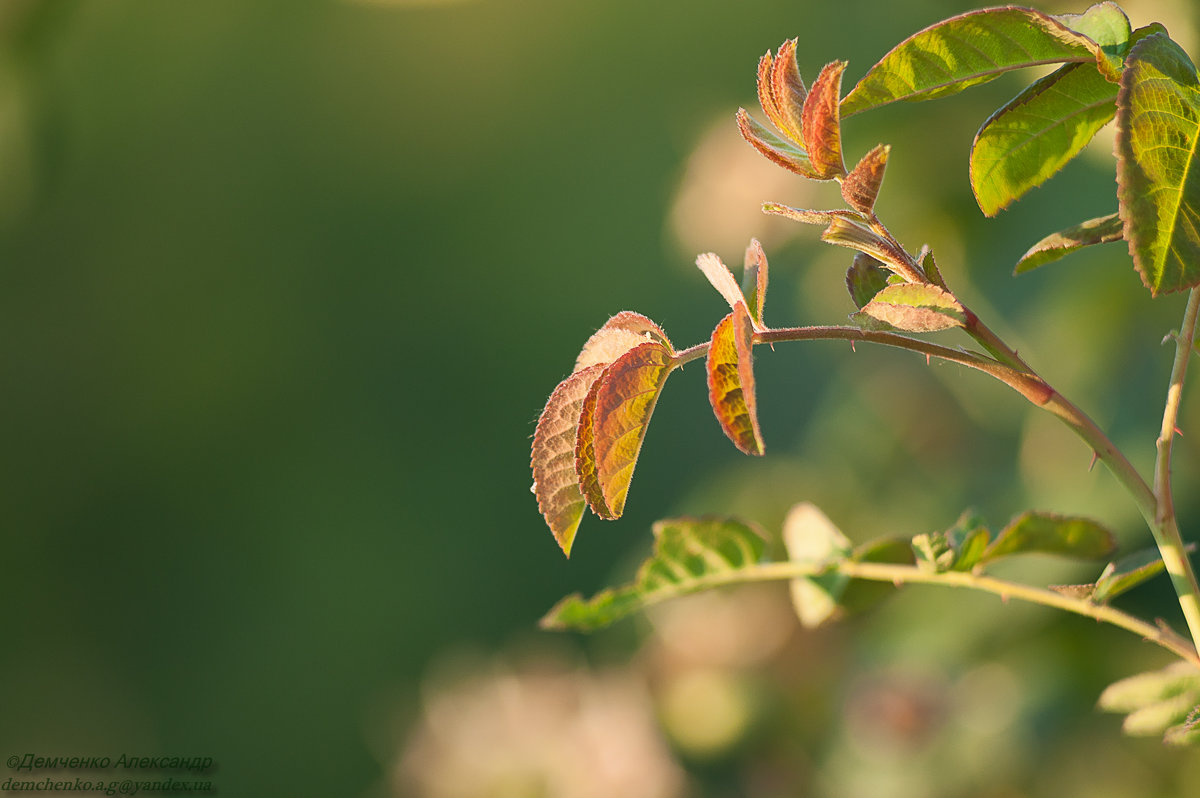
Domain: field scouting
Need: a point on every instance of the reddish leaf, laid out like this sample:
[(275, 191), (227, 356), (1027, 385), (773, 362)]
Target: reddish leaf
[(619, 334), (555, 481), (754, 282), (781, 91), (861, 186), (780, 152), (822, 124), (625, 399), (731, 380), (585, 456)]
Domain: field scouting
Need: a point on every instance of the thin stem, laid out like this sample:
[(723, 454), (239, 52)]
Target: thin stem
[(901, 574), (1170, 542)]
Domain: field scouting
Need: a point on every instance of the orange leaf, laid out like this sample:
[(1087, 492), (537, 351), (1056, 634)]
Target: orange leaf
[(625, 399), (781, 91), (731, 380), (585, 456), (861, 186), (822, 123), (555, 482), (619, 334)]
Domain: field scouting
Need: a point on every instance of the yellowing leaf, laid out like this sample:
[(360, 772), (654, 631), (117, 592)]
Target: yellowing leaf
[(625, 399), (822, 124), (555, 482), (731, 381), (585, 456), (911, 307), (754, 282), (861, 186), (619, 334)]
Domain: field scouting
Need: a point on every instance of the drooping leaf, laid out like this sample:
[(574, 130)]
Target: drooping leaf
[(1048, 533), (865, 278), (911, 307), (861, 187), (1158, 168), (1127, 573), (585, 456), (690, 554), (1102, 230), (781, 91), (625, 399), (1031, 138), (812, 539), (555, 482), (822, 123), (967, 50), (783, 153), (754, 282), (721, 278), (619, 334), (731, 381), (1105, 24), (812, 216)]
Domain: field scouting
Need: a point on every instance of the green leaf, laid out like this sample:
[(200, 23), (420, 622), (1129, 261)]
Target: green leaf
[(690, 554), (730, 368), (783, 153), (1186, 733), (1048, 533), (1158, 172), (1127, 573), (959, 548), (1106, 25), (1134, 692), (555, 481), (911, 307), (865, 278), (1102, 230), (967, 50), (1031, 138), (812, 539)]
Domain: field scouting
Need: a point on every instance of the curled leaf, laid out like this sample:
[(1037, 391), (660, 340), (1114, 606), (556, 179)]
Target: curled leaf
[(721, 278), (861, 186), (625, 398), (1102, 230), (822, 124), (911, 307), (754, 282), (690, 554), (781, 91), (783, 153), (731, 381), (555, 482)]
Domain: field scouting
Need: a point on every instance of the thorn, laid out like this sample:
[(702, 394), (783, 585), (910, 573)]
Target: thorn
[(1178, 432), (1095, 457), (1170, 335), (927, 359), (852, 349), (1003, 598)]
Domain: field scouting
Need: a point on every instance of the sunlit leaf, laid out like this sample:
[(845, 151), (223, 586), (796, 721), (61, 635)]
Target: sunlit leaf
[(1127, 573), (1106, 25), (822, 124), (690, 554), (1158, 171), (619, 334), (731, 381), (1047, 533), (865, 278), (911, 307), (754, 282), (721, 278), (781, 91), (555, 482), (783, 153), (625, 399), (845, 232), (964, 51), (812, 216), (1103, 230), (812, 539), (861, 186), (585, 456), (1031, 138)]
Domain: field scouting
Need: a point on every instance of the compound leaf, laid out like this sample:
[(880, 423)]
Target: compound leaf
[(690, 554), (1158, 171), (731, 380)]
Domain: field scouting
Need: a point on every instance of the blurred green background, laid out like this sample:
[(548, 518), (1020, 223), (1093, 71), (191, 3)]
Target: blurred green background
[(286, 284)]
